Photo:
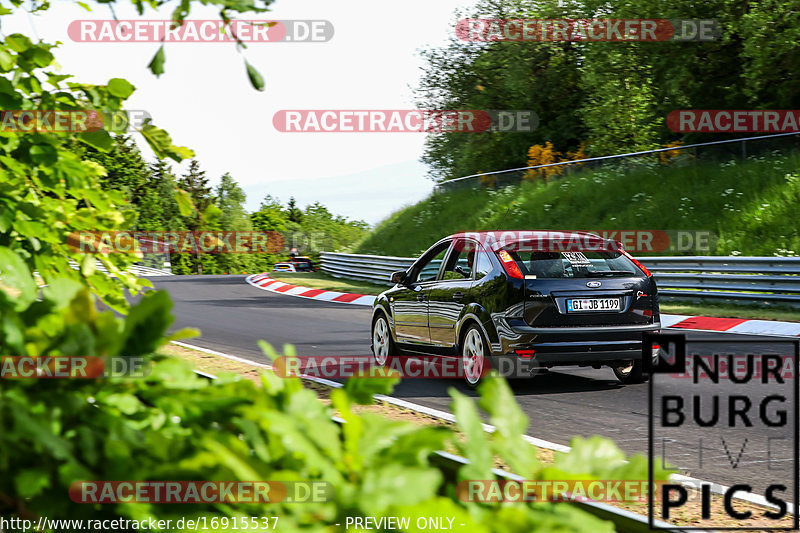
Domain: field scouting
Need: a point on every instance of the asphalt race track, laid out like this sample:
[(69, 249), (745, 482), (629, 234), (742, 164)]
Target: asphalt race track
[(233, 316)]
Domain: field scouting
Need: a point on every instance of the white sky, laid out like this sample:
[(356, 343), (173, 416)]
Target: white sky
[(205, 101)]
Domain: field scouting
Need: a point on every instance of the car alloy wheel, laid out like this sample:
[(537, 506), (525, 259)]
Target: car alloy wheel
[(473, 356), (381, 340)]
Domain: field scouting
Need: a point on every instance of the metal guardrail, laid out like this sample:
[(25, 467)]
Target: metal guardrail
[(717, 148), (137, 270), (449, 464), (765, 280)]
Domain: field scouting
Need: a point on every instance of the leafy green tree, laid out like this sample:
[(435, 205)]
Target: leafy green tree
[(163, 181), (614, 96), (195, 183), (126, 169), (270, 216), (541, 77), (229, 198), (770, 31), (293, 213)]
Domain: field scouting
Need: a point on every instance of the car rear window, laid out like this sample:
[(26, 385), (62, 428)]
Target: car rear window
[(584, 264)]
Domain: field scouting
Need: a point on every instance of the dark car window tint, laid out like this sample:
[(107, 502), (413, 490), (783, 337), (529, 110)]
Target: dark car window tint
[(554, 265), (483, 265), (430, 270), (460, 263)]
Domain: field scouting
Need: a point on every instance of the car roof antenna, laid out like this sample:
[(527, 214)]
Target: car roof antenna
[(500, 226)]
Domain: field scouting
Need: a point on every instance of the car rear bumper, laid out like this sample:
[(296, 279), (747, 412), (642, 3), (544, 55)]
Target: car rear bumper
[(513, 366), (571, 345)]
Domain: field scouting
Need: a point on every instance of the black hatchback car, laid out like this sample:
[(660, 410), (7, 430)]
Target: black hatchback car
[(521, 302)]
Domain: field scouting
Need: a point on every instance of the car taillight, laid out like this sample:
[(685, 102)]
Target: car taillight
[(525, 354), (510, 265), (637, 263)]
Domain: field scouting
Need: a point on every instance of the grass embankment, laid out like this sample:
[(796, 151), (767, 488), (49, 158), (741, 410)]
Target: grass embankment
[(751, 206)]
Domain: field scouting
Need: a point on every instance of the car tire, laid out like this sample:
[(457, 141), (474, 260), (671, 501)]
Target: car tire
[(474, 356), (382, 342), (632, 372)]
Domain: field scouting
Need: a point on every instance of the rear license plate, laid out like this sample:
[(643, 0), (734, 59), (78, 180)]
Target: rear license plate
[(592, 304)]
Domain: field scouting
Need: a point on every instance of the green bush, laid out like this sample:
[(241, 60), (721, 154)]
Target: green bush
[(174, 425)]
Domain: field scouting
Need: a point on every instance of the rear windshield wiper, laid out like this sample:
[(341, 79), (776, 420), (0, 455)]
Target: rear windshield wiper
[(599, 273)]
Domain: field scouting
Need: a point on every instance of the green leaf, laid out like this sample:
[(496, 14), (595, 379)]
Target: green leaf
[(161, 143), (85, 6), (126, 403), (99, 139), (476, 444), (179, 153), (6, 61), (15, 273), (88, 265), (510, 423), (255, 77), (211, 214), (397, 484), (31, 482), (42, 57), (156, 66), (183, 333), (184, 201), (595, 455), (146, 324), (361, 389), (120, 88), (43, 154), (18, 42), (61, 291)]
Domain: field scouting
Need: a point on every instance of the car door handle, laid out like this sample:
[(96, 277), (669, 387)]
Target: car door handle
[(458, 296), (421, 297)]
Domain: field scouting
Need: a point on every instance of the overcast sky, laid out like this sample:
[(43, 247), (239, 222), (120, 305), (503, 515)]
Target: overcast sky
[(205, 101)]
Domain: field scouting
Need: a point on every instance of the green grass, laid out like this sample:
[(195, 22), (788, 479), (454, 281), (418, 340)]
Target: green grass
[(751, 206), (320, 280)]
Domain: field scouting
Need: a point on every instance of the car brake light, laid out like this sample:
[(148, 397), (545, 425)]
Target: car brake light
[(510, 265), (637, 263), (525, 354)]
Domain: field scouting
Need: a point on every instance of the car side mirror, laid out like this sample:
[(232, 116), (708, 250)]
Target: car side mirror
[(399, 276)]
